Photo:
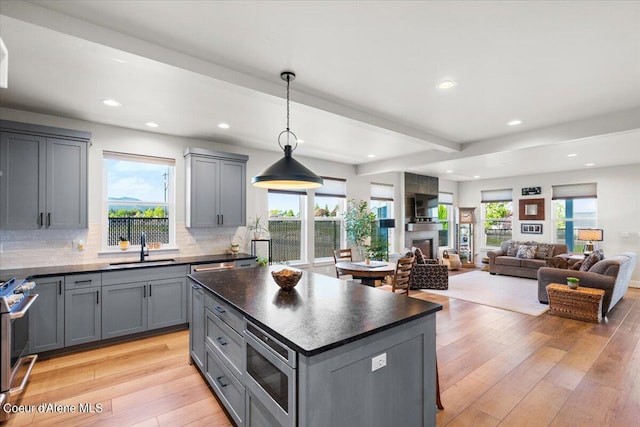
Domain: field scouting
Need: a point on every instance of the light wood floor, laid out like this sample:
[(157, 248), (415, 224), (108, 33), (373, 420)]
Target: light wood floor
[(496, 368)]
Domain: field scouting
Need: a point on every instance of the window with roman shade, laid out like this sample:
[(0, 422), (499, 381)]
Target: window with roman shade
[(381, 203), (497, 216), (328, 218), (574, 208), (445, 218), (287, 222)]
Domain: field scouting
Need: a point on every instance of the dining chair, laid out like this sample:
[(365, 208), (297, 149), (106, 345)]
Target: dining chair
[(342, 255), (402, 274)]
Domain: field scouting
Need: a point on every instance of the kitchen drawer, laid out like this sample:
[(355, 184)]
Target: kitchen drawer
[(224, 311), (227, 387), (246, 263), (140, 274), (79, 281), (226, 342)]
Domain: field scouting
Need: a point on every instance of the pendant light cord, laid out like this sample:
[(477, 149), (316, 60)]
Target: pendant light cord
[(288, 130)]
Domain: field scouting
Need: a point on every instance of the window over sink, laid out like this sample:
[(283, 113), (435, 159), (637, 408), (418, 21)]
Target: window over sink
[(138, 197)]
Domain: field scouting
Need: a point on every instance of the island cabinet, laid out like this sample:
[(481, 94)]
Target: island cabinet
[(44, 177), (82, 312), (46, 317), (143, 299), (327, 353), (216, 188)]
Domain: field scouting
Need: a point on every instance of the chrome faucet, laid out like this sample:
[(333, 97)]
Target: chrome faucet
[(143, 244)]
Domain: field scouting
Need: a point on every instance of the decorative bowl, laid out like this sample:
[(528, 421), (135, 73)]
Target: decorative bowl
[(287, 279)]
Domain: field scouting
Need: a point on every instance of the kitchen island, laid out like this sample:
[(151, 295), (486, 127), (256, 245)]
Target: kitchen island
[(358, 355)]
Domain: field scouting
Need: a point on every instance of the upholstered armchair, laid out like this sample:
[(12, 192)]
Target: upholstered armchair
[(431, 275)]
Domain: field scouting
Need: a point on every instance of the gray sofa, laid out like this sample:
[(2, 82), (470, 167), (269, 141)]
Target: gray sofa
[(610, 274), (502, 263)]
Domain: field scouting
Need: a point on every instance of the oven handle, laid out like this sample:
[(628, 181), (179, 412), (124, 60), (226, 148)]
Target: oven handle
[(19, 314), (32, 360)]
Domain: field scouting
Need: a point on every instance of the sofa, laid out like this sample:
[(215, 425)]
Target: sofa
[(610, 274), (522, 259)]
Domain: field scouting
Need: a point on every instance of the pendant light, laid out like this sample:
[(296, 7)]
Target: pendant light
[(287, 173)]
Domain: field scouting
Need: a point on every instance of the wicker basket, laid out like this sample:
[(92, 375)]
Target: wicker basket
[(581, 304)]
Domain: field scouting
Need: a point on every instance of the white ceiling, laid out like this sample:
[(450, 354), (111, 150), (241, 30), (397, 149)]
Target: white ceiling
[(366, 77)]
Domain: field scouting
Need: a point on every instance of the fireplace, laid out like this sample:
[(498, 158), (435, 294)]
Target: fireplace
[(426, 246)]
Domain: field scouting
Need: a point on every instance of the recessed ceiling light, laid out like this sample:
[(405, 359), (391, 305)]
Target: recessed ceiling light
[(590, 164), (152, 124), (223, 126), (111, 102), (476, 176), (572, 155), (447, 84), (122, 61), (515, 122), (449, 171), (371, 156), (299, 141)]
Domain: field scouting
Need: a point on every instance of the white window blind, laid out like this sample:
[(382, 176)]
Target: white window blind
[(588, 190), (504, 195), (445, 198), (382, 192), (138, 158), (333, 187)]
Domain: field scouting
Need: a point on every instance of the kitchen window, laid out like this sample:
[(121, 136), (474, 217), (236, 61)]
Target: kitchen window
[(287, 225), (138, 197), (328, 217)]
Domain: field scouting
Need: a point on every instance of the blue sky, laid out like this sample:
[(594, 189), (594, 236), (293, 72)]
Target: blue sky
[(142, 181)]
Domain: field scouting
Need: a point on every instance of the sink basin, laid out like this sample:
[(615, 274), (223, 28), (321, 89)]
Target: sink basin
[(142, 263)]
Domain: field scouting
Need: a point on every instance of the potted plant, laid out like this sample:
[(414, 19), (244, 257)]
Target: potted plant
[(573, 282), (257, 226), (124, 243), (262, 262), (359, 223)]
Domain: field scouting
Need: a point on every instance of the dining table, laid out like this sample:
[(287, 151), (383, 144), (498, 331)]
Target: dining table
[(368, 273)]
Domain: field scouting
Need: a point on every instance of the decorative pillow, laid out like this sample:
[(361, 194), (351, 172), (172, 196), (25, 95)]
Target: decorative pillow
[(419, 256), (526, 252), (545, 251), (577, 265), (557, 262), (512, 249), (590, 261)]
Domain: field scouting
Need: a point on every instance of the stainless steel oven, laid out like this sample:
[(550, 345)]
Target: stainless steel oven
[(270, 373), (15, 364)]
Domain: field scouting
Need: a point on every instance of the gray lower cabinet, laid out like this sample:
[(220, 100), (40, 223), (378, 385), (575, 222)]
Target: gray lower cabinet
[(124, 309), (44, 177), (46, 316), (228, 388), (216, 188), (166, 304), (196, 325), (82, 308)]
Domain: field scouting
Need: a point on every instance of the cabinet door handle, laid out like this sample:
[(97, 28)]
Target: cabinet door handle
[(219, 309), (196, 287), (222, 219), (144, 288), (41, 219), (97, 297), (221, 341), (60, 287), (219, 379), (49, 219)]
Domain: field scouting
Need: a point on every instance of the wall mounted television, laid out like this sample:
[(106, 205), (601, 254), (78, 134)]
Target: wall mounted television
[(426, 205)]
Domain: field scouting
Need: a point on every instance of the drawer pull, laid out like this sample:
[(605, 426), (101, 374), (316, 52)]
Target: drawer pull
[(220, 309), (219, 380), (221, 341), (77, 282)]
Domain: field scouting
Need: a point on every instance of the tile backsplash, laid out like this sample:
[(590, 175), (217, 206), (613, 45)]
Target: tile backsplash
[(41, 248)]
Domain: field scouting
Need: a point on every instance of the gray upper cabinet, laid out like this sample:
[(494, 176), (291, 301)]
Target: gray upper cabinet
[(216, 188), (43, 177), (46, 318)]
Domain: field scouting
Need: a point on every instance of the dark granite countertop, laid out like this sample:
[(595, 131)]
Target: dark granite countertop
[(320, 313), (35, 272)]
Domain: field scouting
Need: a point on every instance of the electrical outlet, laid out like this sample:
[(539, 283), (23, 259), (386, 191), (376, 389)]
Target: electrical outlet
[(380, 361)]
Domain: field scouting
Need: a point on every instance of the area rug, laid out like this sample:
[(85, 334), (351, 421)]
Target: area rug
[(506, 292)]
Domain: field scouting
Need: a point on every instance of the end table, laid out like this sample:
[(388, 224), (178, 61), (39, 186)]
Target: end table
[(581, 304)]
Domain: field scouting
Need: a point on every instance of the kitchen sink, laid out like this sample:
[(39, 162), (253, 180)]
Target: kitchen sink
[(142, 263)]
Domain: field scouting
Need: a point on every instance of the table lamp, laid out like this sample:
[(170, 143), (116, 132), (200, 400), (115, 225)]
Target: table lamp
[(590, 235)]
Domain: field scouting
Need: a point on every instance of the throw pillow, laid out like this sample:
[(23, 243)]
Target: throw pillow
[(577, 265), (419, 256), (590, 261), (526, 252), (512, 249), (545, 251), (557, 262)]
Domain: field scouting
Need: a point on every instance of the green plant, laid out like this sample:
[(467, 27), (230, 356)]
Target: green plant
[(123, 239), (359, 223), (377, 249), (262, 262), (256, 225)]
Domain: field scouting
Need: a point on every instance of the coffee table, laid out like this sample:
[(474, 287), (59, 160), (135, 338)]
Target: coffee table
[(581, 304)]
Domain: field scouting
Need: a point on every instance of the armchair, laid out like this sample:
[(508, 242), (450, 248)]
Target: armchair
[(431, 275)]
